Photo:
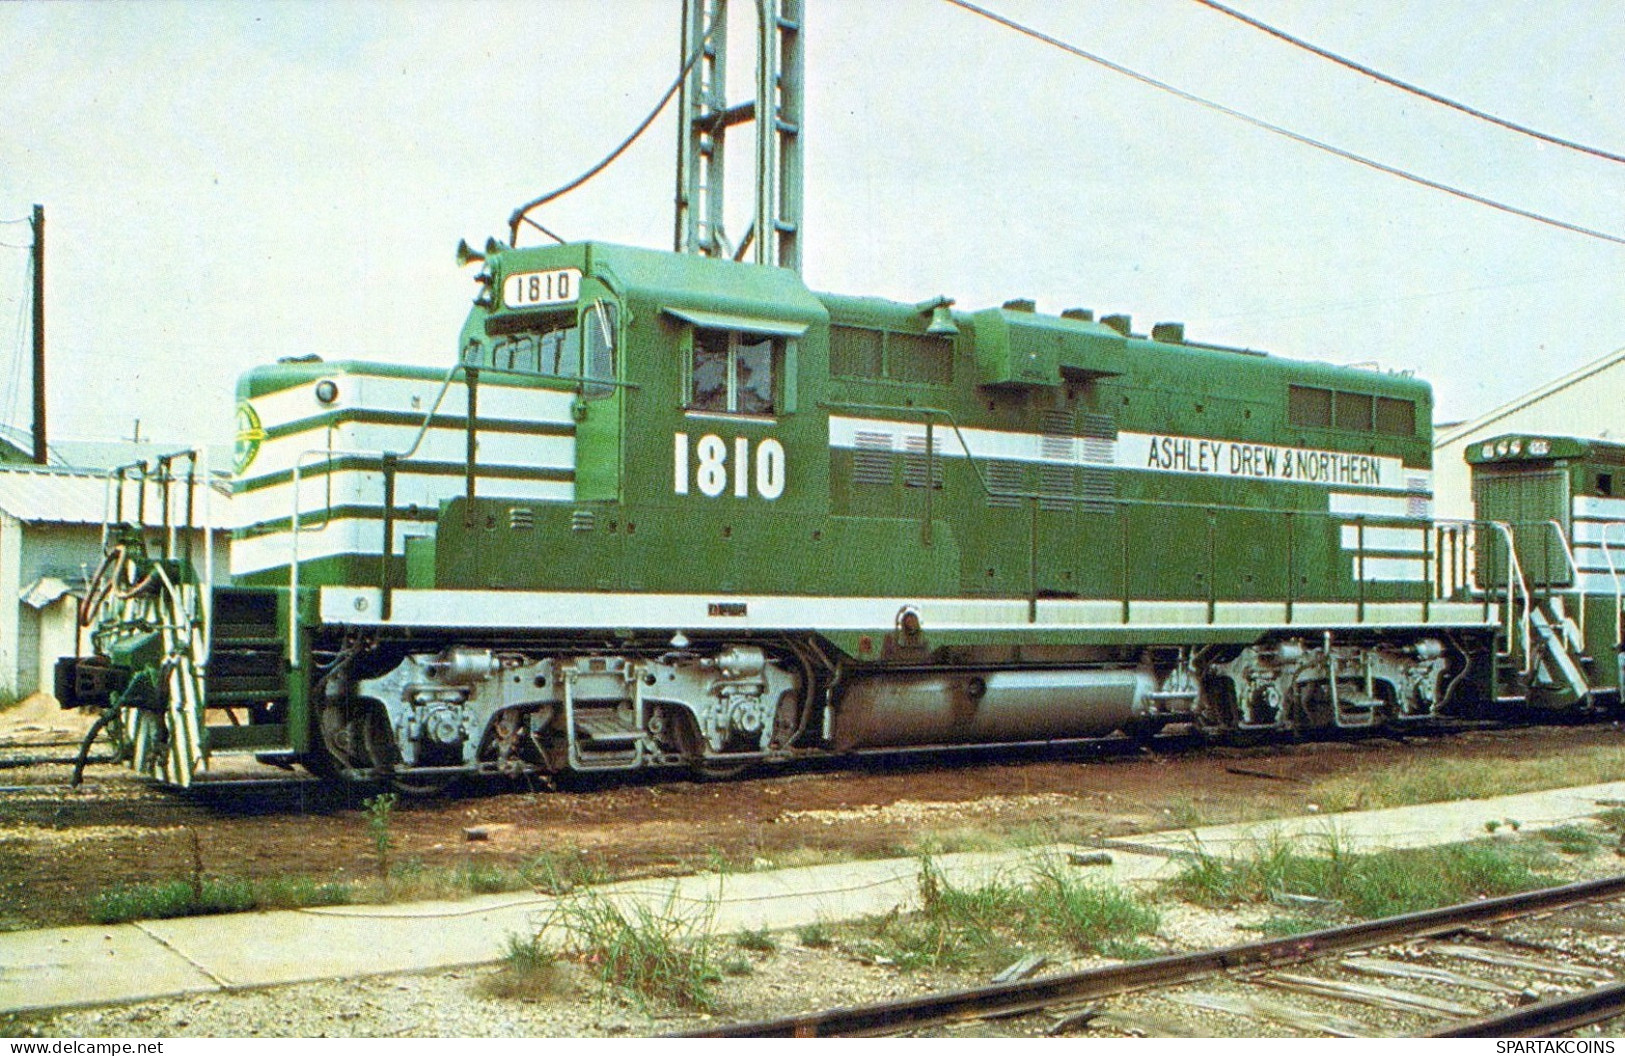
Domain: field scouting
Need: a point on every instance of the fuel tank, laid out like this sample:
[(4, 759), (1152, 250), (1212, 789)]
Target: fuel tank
[(977, 707)]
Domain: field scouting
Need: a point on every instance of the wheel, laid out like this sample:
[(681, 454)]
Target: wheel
[(1143, 731), (692, 746), (383, 755), (332, 744)]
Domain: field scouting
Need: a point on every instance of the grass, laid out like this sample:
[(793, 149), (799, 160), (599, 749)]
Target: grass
[(409, 881), (184, 898), (1379, 884), (529, 972), (1573, 839), (1283, 927), (818, 935), (652, 954), (984, 925), (1436, 781), (561, 872), (756, 940)]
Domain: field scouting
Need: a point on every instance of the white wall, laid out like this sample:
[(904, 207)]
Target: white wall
[(11, 547), (1591, 406)]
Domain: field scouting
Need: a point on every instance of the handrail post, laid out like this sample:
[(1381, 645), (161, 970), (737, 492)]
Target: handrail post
[(1032, 561), (1212, 565), (472, 376), (1291, 563), (1429, 565), (1359, 564), (1123, 550), (386, 580), (930, 478)]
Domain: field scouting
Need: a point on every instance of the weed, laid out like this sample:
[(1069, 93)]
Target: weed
[(1418, 781), (1087, 914), (816, 935), (379, 811), (529, 971), (1369, 885), (1572, 839), (558, 873), (757, 940), (1612, 819), (180, 898), (1127, 950), (652, 954), (717, 861), (196, 863), (965, 926), (485, 878), (1492, 827), (1187, 814), (735, 964), (1280, 927)]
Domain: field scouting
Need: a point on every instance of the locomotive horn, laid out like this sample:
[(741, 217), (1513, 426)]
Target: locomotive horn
[(466, 254)]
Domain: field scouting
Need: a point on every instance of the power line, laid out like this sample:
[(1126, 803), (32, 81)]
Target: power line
[(1296, 137), (1407, 87), (643, 126)]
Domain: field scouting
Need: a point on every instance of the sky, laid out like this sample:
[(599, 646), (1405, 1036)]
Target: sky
[(226, 183)]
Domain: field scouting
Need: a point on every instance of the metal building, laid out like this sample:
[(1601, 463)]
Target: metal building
[(1582, 404), (50, 544)]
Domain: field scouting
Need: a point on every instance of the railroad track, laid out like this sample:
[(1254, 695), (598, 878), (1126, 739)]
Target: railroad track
[(1528, 965)]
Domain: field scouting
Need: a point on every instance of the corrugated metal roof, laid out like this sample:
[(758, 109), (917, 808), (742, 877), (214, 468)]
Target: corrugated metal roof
[(43, 496)]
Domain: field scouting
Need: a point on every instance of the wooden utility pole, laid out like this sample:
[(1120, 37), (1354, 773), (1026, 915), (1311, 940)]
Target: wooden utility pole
[(41, 455)]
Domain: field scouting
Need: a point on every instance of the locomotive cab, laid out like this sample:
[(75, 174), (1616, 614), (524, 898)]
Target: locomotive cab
[(1551, 547)]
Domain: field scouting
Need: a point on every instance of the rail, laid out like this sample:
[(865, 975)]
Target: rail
[(1008, 999)]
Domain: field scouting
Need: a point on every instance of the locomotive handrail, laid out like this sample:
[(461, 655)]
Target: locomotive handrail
[(388, 548), (1516, 566), (176, 530), (1033, 498), (390, 458), (1613, 575), (1578, 589), (1516, 583)]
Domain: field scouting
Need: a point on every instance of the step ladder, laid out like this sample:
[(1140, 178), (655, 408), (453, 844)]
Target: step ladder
[(1556, 661)]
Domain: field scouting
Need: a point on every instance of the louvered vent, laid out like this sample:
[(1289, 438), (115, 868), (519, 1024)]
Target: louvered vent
[(1097, 485), (1006, 481), (871, 461), (914, 460), (1058, 473)]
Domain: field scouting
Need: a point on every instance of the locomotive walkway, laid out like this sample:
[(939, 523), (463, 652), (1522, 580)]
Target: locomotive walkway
[(115, 964)]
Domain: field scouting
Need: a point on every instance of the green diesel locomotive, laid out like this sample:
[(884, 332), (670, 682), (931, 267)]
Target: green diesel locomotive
[(675, 509), (668, 510)]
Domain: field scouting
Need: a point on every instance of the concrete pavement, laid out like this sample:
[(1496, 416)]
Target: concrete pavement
[(114, 964)]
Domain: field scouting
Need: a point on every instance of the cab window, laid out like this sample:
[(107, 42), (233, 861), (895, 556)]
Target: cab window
[(598, 344), (733, 373), (551, 347)]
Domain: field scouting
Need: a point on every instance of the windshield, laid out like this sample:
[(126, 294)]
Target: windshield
[(562, 346)]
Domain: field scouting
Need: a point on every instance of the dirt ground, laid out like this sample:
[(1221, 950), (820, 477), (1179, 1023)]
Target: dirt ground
[(59, 847)]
